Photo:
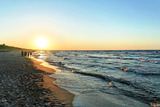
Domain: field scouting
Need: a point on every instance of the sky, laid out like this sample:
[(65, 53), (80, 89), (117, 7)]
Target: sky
[(81, 24)]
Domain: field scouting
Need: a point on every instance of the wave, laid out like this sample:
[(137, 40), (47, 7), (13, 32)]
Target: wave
[(155, 62), (106, 78), (100, 57), (150, 61), (149, 73), (143, 60), (141, 96), (121, 58), (139, 73), (155, 56), (122, 81), (91, 74), (125, 69), (59, 64)]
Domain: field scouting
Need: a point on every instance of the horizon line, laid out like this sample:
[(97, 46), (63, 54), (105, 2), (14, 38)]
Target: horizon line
[(79, 49)]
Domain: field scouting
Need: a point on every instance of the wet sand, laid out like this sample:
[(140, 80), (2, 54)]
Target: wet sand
[(24, 82), (62, 94)]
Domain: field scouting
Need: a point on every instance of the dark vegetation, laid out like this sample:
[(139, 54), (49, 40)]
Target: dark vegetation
[(5, 47)]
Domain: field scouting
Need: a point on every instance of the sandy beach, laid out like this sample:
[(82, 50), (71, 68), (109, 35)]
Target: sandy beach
[(24, 82)]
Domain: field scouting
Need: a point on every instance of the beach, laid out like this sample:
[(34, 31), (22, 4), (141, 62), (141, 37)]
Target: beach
[(24, 82), (46, 78)]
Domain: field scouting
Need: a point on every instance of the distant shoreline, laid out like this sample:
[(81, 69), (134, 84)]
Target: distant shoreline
[(6, 47)]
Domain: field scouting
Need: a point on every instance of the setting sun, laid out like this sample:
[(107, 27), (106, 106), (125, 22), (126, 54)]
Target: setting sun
[(41, 43)]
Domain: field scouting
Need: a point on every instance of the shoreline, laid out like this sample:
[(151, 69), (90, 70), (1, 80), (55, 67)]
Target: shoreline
[(24, 82), (63, 95)]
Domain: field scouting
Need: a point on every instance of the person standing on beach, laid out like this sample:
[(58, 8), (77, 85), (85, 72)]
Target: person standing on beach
[(25, 53), (22, 53), (28, 53)]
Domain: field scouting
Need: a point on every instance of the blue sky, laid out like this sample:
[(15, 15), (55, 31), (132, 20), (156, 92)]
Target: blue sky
[(82, 24)]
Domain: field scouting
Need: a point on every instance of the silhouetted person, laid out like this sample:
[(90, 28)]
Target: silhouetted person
[(22, 53), (28, 53), (25, 53)]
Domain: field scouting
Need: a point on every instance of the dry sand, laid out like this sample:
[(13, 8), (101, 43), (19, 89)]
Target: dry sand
[(24, 82)]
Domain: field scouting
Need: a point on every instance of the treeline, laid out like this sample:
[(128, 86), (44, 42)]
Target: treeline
[(5, 47)]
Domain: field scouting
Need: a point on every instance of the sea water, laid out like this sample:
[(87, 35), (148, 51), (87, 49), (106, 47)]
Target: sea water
[(135, 76)]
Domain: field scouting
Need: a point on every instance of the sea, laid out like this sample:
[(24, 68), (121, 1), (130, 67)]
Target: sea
[(107, 78)]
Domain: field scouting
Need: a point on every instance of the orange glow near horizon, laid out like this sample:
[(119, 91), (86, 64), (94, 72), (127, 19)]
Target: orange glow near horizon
[(46, 40)]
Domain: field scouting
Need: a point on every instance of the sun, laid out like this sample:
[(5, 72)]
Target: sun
[(41, 43)]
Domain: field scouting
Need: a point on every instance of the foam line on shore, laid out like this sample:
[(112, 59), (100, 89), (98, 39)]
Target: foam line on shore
[(45, 64), (62, 94)]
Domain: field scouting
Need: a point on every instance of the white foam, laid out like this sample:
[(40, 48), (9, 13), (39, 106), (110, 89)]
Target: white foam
[(98, 99)]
